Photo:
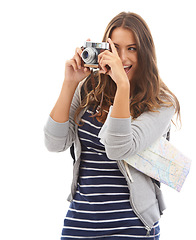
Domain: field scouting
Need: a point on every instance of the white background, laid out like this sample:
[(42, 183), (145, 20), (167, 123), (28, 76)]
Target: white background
[(37, 37)]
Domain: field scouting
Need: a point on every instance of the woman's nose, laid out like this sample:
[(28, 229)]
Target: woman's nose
[(123, 55)]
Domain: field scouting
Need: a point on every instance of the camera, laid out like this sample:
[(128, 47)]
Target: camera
[(90, 53)]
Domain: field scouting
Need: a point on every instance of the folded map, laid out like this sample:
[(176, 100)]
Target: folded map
[(163, 162)]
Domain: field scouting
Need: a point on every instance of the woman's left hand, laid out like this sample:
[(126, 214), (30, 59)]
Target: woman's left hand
[(112, 60)]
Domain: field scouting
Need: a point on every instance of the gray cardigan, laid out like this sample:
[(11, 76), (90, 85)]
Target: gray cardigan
[(122, 137)]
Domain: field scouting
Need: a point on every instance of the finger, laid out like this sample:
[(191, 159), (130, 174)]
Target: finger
[(88, 40), (77, 57), (101, 71), (105, 61), (113, 48), (105, 54), (72, 63), (87, 70), (79, 51), (105, 64), (104, 71), (108, 55)]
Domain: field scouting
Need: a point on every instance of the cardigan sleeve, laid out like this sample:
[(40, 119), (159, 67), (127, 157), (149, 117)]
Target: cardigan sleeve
[(124, 137), (60, 136)]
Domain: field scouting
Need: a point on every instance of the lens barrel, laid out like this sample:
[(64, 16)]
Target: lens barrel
[(89, 55)]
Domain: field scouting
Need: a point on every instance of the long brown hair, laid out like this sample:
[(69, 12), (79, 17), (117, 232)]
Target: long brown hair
[(148, 91)]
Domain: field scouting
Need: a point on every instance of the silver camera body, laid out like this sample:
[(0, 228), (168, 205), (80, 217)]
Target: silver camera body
[(90, 52)]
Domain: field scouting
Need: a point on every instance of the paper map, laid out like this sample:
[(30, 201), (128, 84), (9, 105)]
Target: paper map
[(163, 162)]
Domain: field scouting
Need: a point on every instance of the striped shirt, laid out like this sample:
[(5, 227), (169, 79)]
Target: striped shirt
[(101, 208)]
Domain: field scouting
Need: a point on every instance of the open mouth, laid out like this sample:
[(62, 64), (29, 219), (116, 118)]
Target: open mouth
[(127, 69)]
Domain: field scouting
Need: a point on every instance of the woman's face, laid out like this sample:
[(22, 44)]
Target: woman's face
[(125, 44)]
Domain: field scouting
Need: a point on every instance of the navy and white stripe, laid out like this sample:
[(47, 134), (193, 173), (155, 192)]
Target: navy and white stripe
[(101, 208)]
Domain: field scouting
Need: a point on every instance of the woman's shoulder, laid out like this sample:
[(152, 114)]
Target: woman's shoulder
[(159, 116)]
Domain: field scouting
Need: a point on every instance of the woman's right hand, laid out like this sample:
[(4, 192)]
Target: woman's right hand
[(74, 69)]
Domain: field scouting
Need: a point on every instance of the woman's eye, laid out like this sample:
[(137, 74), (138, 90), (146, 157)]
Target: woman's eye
[(132, 49)]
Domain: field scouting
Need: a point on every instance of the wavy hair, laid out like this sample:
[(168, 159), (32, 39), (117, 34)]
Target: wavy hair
[(148, 91)]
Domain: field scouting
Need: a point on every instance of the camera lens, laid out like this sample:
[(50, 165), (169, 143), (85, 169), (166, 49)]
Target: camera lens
[(85, 54), (89, 55)]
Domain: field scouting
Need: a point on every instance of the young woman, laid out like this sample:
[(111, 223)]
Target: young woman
[(109, 115)]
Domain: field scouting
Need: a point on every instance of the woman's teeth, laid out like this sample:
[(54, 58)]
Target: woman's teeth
[(127, 68)]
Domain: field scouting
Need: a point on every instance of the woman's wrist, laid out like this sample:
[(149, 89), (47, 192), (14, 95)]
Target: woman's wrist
[(72, 85), (121, 101), (124, 83)]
